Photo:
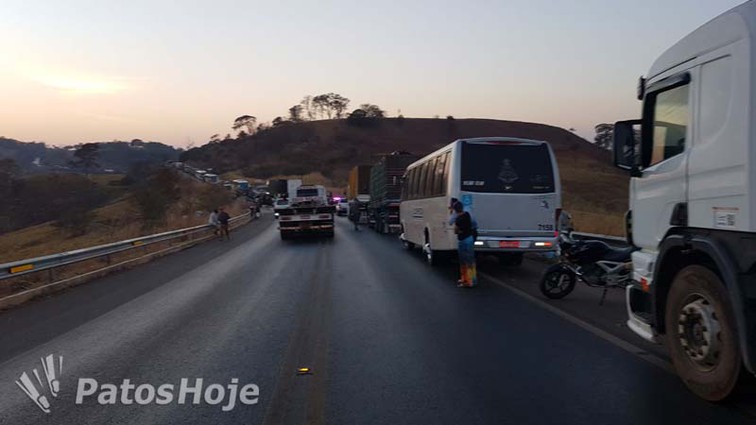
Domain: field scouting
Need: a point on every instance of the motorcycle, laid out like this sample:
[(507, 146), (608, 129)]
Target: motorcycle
[(593, 262)]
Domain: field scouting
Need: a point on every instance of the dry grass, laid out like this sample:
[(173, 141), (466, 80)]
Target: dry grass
[(114, 222)]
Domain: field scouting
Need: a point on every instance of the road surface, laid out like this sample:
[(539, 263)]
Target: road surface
[(386, 338)]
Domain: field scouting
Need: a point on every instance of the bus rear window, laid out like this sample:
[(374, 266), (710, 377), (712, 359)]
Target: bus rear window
[(506, 168)]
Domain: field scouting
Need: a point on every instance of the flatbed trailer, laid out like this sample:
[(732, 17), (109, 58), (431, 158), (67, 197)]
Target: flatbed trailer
[(307, 215)]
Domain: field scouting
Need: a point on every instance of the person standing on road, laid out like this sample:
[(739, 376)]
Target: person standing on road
[(213, 221), (223, 219), (253, 210), (463, 227), (354, 215)]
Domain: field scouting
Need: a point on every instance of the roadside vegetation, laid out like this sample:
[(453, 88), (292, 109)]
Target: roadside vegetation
[(133, 206)]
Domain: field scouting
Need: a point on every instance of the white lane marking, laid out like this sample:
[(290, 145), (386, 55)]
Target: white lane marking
[(619, 342)]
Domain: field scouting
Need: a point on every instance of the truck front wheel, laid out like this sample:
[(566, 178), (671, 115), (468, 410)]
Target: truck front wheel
[(701, 334)]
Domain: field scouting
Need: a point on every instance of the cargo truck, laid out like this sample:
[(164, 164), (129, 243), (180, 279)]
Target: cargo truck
[(386, 190), (292, 185), (359, 182), (693, 204), (277, 187), (308, 213)]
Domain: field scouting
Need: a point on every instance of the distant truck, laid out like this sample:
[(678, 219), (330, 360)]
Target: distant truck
[(292, 185), (386, 190), (277, 187), (211, 178), (308, 213), (283, 188), (359, 182), (241, 185)]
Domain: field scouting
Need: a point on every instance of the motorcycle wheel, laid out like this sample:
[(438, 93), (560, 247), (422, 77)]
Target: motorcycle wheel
[(557, 282)]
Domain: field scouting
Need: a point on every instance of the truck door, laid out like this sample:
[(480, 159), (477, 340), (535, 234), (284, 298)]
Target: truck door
[(662, 190)]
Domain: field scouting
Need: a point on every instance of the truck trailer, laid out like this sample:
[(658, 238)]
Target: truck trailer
[(386, 190), (308, 213), (359, 182)]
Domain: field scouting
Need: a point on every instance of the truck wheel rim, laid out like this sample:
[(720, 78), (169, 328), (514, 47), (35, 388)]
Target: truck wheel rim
[(699, 332)]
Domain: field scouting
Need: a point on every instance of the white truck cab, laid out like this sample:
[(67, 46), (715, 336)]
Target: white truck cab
[(693, 203)]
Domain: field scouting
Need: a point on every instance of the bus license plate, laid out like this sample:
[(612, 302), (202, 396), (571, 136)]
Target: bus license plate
[(509, 244)]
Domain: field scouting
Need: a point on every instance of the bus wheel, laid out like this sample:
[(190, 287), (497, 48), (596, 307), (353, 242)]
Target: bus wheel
[(432, 257), (701, 333)]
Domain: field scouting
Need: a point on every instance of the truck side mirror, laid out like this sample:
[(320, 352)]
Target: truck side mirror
[(625, 141)]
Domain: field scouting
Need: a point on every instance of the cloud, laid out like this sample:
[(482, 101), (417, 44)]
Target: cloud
[(82, 85)]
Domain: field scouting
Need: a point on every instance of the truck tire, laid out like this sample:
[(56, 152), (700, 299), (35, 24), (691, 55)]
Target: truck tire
[(701, 333)]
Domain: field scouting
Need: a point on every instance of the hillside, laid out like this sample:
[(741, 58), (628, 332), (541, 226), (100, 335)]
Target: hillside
[(594, 191), (115, 156), (117, 218)]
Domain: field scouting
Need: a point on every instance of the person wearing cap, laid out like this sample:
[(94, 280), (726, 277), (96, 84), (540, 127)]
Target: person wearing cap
[(463, 228)]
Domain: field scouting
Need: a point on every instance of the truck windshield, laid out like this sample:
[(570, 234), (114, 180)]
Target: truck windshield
[(504, 167)]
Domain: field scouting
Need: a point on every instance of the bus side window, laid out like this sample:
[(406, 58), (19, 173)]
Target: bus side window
[(439, 184), (431, 179), (422, 177), (413, 183)]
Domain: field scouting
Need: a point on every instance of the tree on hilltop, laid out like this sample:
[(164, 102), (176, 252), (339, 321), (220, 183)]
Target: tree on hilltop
[(85, 157), (247, 121)]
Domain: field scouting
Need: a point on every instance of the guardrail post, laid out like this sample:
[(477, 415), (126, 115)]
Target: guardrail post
[(51, 275)]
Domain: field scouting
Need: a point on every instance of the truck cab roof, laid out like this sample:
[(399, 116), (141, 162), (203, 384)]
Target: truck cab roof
[(738, 23)]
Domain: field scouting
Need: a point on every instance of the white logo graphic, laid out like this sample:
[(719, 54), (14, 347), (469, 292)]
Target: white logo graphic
[(186, 392), (507, 173), (51, 378)]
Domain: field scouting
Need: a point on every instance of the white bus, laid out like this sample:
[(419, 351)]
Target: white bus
[(510, 186)]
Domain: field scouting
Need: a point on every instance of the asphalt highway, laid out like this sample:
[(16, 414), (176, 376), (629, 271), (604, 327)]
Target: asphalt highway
[(352, 330)]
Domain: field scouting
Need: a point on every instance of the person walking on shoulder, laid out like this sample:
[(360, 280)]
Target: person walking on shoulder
[(463, 227), (213, 221), (223, 219)]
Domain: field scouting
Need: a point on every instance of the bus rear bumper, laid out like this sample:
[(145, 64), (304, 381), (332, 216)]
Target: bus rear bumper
[(527, 244)]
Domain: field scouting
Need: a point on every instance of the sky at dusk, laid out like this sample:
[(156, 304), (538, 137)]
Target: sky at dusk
[(179, 71)]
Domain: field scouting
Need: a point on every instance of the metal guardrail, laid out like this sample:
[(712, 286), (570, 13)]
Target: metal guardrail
[(33, 265)]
